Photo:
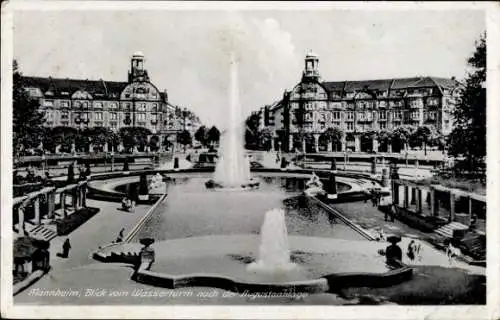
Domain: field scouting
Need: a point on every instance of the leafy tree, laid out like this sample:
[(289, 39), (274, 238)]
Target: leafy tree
[(423, 135), (113, 141), (384, 138), (97, 136), (468, 138), (184, 138), (213, 135), (402, 135), (166, 142), (134, 136), (201, 135), (252, 132), (154, 143), (333, 135), (265, 137), (63, 136), (27, 117)]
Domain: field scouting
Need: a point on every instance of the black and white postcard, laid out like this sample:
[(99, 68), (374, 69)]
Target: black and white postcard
[(264, 160)]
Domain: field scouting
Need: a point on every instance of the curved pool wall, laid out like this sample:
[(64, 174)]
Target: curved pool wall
[(114, 196), (329, 283)]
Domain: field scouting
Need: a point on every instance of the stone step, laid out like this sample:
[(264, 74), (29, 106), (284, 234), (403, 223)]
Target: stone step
[(43, 233), (447, 230)]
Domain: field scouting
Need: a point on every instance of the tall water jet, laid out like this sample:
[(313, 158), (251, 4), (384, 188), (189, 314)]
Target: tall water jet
[(233, 167), (274, 250)]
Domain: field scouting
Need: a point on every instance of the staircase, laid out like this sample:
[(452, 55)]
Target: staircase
[(43, 232), (447, 230)]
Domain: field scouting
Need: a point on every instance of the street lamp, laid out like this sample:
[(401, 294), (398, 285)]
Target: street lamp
[(43, 162)]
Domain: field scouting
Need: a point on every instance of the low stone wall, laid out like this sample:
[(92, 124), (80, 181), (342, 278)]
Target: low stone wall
[(393, 277), (329, 283), (226, 283)]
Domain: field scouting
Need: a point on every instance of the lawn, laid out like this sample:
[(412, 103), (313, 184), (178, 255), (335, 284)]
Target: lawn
[(430, 285), (471, 185)]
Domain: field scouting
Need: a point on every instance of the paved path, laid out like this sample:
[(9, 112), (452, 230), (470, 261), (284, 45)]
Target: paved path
[(370, 218), (101, 229)]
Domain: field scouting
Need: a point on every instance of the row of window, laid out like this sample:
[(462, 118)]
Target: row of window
[(412, 103), (139, 106), (382, 115), (349, 126), (98, 116)]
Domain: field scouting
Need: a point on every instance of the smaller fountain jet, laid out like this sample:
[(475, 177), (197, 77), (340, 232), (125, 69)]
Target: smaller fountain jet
[(274, 251)]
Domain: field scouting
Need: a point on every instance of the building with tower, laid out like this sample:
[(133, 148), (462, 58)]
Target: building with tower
[(82, 104), (365, 112)]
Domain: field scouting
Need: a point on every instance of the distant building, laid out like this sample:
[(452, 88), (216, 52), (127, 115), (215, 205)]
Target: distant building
[(83, 104), (357, 108)]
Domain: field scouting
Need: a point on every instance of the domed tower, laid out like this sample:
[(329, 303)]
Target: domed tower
[(311, 72), (137, 71)]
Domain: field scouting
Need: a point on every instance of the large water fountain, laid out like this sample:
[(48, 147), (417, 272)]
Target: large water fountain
[(274, 250), (233, 167)]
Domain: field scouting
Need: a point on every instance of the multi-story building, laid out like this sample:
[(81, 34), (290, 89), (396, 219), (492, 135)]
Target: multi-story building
[(83, 104), (358, 109)]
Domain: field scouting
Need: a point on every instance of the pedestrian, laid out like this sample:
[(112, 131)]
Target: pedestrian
[(418, 250), (120, 236), (65, 248), (381, 235), (393, 255), (87, 170), (452, 251), (374, 199), (411, 250), (126, 204), (392, 212)]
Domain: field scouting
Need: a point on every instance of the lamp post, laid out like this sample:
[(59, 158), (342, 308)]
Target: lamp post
[(112, 161), (43, 162)]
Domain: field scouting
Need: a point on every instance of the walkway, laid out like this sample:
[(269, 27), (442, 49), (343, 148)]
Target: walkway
[(371, 219), (100, 230)]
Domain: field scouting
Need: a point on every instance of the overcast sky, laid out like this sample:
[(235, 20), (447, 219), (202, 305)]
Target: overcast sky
[(187, 51)]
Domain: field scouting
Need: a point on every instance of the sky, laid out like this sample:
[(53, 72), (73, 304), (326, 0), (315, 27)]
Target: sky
[(187, 52)]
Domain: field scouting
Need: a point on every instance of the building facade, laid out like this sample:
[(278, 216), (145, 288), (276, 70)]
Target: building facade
[(361, 110), (137, 102)]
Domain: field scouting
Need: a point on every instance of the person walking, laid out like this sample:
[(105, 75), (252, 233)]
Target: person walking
[(65, 248), (393, 253), (411, 250), (120, 236)]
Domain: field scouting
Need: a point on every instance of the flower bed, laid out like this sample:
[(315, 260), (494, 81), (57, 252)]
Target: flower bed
[(73, 221)]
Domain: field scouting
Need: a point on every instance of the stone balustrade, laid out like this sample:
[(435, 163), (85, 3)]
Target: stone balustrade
[(41, 205)]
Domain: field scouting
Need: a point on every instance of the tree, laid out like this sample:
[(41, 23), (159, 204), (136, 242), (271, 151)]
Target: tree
[(402, 135), (97, 136), (424, 135), (154, 143), (265, 137), (333, 135), (252, 132), (134, 136), (166, 142), (468, 138), (113, 141), (27, 117), (201, 135), (184, 138), (213, 135), (63, 136)]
